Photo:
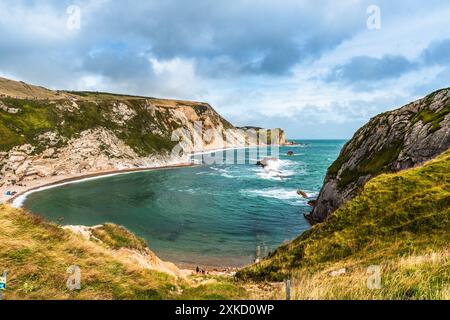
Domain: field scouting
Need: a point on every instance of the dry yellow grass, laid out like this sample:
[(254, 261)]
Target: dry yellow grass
[(23, 90), (425, 276)]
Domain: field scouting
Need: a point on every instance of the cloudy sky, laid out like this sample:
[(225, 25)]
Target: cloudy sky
[(319, 69)]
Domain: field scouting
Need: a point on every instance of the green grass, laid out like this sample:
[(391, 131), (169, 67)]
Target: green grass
[(37, 255), (373, 164), (39, 116), (32, 120), (435, 118), (395, 215), (117, 237), (223, 289)]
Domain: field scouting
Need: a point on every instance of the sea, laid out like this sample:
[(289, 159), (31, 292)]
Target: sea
[(222, 213)]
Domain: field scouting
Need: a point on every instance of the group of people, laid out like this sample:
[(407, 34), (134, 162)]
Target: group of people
[(200, 271)]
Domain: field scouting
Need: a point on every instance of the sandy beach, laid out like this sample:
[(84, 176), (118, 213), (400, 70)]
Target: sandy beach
[(25, 187)]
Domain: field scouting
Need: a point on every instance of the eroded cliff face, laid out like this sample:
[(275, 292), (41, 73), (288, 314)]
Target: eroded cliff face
[(390, 142), (48, 133)]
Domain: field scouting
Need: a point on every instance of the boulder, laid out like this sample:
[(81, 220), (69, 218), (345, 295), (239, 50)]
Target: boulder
[(302, 193)]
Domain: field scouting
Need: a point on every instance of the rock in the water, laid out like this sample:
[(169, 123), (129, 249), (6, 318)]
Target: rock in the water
[(312, 203), (302, 193), (265, 162)]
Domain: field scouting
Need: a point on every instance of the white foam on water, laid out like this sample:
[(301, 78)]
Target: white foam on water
[(277, 193), (270, 175), (223, 172), (277, 169), (287, 195)]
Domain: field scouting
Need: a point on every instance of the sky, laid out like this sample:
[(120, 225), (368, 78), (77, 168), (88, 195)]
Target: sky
[(318, 69)]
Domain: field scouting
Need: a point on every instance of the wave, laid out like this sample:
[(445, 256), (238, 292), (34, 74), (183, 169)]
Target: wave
[(223, 172), (277, 193), (277, 169), (289, 195)]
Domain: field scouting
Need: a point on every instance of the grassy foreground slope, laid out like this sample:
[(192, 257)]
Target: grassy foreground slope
[(37, 255), (399, 221)]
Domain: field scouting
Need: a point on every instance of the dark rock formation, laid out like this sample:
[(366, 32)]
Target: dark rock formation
[(265, 162), (302, 194), (390, 142), (312, 203)]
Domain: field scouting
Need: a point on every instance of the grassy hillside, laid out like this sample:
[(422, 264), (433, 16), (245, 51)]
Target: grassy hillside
[(39, 116), (37, 255), (28, 111), (398, 221)]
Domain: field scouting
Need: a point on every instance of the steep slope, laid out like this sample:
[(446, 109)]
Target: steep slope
[(22, 90), (390, 142), (52, 133), (114, 264), (399, 221)]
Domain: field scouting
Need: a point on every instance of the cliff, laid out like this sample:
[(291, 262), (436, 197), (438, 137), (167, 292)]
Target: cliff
[(390, 142), (54, 133)]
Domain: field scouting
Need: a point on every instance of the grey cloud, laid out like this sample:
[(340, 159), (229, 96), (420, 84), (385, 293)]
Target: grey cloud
[(117, 64), (365, 73), (369, 69), (225, 39), (278, 35), (437, 53)]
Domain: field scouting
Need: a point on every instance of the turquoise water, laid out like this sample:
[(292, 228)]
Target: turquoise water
[(214, 215)]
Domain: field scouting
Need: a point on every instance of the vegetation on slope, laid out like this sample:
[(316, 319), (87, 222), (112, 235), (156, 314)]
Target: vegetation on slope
[(395, 219), (414, 276), (428, 116), (38, 116), (117, 237), (37, 255), (378, 161)]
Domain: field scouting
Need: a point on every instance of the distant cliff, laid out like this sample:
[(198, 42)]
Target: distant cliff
[(47, 133), (390, 142)]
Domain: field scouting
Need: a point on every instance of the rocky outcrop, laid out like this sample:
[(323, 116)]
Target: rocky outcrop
[(390, 142), (144, 258)]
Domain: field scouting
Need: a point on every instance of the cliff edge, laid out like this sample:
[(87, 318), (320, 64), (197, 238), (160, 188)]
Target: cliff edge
[(390, 142)]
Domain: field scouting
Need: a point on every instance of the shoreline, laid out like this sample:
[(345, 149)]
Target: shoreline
[(60, 180), (56, 181)]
